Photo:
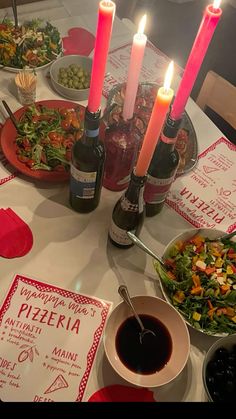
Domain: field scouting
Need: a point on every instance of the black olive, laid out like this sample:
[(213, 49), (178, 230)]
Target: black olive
[(221, 353)]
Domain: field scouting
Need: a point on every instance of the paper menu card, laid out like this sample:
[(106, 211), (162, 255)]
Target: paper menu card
[(153, 68), (206, 197), (49, 337)]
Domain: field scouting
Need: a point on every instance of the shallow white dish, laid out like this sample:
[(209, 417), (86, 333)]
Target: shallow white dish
[(176, 326)]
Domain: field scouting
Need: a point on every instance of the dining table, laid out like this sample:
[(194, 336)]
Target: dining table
[(71, 250)]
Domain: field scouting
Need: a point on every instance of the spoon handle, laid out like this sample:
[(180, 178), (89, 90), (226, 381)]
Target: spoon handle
[(123, 291), (14, 8), (228, 235), (11, 115), (143, 246)]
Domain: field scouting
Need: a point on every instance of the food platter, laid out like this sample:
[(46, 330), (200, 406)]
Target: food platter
[(9, 146), (188, 306), (186, 143), (33, 44)]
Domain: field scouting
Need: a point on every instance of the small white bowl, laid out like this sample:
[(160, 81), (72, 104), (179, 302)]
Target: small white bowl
[(167, 315), (65, 61), (227, 342)]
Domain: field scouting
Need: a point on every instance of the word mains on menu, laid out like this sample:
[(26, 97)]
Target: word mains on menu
[(49, 338)]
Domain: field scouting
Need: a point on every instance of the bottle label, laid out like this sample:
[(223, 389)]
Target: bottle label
[(119, 235), (168, 140), (82, 183), (126, 205), (92, 133), (156, 189)]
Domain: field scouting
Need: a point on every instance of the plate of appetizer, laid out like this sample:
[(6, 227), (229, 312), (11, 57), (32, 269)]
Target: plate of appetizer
[(33, 44), (41, 145)]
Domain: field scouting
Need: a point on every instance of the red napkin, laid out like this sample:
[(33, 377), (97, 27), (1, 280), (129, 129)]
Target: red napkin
[(79, 42), (16, 238), (119, 393)]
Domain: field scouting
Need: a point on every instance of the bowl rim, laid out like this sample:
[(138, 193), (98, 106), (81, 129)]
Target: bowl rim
[(136, 381), (171, 242), (55, 63), (209, 354)]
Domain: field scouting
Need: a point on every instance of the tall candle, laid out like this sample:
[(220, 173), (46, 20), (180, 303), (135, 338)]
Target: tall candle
[(206, 30), (106, 14), (157, 119), (135, 65)]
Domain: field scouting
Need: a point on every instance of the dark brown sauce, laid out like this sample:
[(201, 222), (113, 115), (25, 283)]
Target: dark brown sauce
[(149, 356)]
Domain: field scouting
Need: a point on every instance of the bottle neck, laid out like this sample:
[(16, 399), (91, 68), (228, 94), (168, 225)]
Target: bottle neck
[(136, 186), (168, 137), (91, 127)]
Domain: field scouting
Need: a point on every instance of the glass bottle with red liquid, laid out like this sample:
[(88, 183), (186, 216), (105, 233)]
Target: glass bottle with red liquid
[(122, 143)]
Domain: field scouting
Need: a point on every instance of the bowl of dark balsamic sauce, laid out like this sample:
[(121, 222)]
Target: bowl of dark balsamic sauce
[(158, 359)]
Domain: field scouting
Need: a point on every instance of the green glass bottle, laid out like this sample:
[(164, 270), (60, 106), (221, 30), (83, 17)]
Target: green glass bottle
[(87, 166), (128, 213), (162, 169)]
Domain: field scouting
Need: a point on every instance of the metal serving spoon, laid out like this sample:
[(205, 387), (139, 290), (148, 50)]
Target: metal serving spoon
[(146, 249), (124, 293), (14, 8)]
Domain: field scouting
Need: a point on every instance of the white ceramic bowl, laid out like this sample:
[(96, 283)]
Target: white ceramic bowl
[(205, 232), (208, 370), (166, 314), (65, 61)]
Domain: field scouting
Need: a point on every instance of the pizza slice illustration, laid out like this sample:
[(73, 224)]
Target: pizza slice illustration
[(57, 384)]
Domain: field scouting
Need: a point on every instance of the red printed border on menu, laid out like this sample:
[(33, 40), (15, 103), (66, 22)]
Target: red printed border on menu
[(43, 287), (212, 147)]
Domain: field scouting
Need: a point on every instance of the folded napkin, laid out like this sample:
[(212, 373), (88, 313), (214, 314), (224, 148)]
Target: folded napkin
[(16, 237), (79, 42), (120, 393)]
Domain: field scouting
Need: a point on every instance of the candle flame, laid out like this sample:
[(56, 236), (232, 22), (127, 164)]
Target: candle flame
[(216, 4), (169, 76), (142, 24)]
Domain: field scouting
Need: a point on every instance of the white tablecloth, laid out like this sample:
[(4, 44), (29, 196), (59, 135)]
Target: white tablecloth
[(70, 249)]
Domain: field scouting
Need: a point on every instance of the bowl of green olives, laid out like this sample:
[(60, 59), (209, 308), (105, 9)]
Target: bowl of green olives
[(70, 76)]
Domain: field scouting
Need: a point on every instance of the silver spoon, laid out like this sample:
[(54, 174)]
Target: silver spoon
[(123, 291), (14, 8), (146, 249), (225, 236)]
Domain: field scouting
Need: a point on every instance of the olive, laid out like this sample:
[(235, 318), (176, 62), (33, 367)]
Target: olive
[(221, 353)]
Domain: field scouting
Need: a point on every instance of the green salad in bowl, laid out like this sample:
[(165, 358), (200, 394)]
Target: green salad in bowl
[(200, 280), (33, 44)]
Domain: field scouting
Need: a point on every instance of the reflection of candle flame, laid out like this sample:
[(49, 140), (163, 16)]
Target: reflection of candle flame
[(142, 24), (216, 4), (168, 76)]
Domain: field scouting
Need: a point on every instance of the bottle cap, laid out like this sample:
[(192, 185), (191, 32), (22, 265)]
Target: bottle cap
[(171, 127), (92, 119)]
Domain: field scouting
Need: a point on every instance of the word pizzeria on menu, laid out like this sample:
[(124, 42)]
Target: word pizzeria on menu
[(203, 206)]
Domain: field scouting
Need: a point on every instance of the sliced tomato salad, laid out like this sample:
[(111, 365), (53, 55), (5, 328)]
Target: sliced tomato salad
[(47, 136)]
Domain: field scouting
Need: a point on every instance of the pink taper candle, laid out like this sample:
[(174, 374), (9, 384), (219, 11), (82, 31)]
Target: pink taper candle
[(106, 14), (135, 64), (157, 119), (208, 25)]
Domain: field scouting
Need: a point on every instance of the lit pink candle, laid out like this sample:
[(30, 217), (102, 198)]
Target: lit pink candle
[(208, 25), (106, 14), (157, 119), (135, 65)]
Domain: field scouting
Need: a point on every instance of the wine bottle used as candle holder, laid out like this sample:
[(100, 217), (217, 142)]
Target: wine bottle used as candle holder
[(128, 213), (162, 169), (87, 166)]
